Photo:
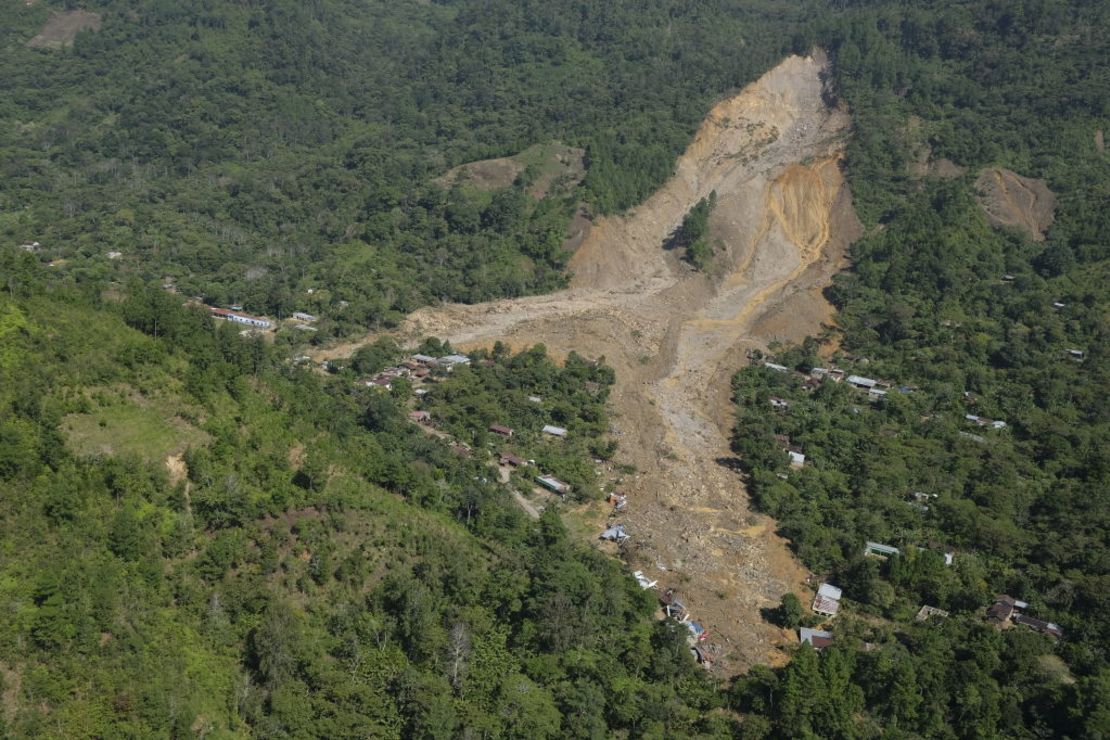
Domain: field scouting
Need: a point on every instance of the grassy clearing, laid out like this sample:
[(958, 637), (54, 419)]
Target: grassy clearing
[(149, 429)]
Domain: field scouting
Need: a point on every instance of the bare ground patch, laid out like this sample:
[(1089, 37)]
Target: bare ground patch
[(1013, 201), (675, 337), (62, 27)]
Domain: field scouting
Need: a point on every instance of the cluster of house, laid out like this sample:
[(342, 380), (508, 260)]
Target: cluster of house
[(418, 367), (1006, 610)]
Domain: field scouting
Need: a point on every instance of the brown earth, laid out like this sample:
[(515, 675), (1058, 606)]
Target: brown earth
[(62, 28), (1017, 202), (675, 338)]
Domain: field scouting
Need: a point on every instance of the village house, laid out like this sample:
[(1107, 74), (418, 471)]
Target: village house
[(1003, 608), (422, 417), (797, 459), (777, 368), (864, 384), (779, 404), (302, 316), (508, 458), (554, 431), (450, 361), (424, 360), (504, 431), (827, 600), (985, 422), (1039, 625), (875, 549), (1077, 354), (240, 318), (553, 484), (535, 399), (818, 639)]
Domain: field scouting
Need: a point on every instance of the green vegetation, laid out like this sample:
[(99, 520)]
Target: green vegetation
[(692, 235), (257, 152), (321, 566), (497, 389), (1025, 507), (323, 569)]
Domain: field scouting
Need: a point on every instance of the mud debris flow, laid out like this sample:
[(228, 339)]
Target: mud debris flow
[(675, 337)]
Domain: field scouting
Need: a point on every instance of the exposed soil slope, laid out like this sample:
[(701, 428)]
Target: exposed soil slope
[(675, 337), (62, 28), (1017, 202)]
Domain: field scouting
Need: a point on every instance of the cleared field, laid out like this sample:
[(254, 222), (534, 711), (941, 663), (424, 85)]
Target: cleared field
[(62, 28), (151, 430)]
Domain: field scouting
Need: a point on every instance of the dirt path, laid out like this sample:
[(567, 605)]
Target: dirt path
[(675, 338)]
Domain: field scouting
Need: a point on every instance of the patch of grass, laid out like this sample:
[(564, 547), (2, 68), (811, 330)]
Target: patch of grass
[(148, 429)]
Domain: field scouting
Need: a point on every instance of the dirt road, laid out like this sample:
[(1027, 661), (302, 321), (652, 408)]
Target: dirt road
[(675, 337)]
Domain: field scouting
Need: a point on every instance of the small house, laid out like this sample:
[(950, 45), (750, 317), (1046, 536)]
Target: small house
[(425, 360), (1058, 305), (819, 639), (777, 368), (797, 459), (1047, 628), (504, 431), (535, 399), (858, 381), (1077, 354), (553, 484), (554, 431), (827, 600), (644, 582), (779, 404), (421, 417), (306, 317), (1003, 608), (508, 458), (876, 549), (450, 361)]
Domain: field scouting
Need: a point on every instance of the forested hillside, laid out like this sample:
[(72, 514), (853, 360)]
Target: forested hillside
[(315, 566), (201, 538), (967, 323), (255, 151)]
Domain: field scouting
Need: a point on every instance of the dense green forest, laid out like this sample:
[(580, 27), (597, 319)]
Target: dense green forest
[(320, 568), (312, 563), (963, 321), (253, 152)]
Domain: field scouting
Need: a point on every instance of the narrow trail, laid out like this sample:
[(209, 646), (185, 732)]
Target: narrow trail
[(675, 337)]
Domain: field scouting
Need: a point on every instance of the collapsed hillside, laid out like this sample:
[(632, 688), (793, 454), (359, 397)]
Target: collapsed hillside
[(675, 337)]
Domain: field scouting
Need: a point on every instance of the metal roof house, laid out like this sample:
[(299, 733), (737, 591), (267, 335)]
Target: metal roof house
[(817, 638), (861, 382), (879, 550), (554, 431), (797, 459), (827, 600), (552, 483)]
